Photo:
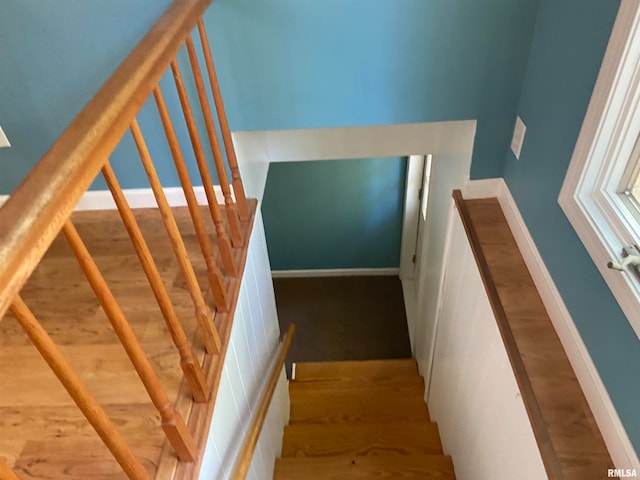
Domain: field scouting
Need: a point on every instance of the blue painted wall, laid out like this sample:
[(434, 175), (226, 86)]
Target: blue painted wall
[(55, 55), (302, 64), (288, 64), (334, 213), (568, 46), (282, 63)]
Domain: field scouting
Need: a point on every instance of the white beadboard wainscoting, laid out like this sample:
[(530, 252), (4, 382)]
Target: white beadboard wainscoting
[(472, 392), (253, 343)]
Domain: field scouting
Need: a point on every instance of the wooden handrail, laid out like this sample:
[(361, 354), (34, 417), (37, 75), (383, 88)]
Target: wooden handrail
[(37, 209), (243, 461), (549, 458), (40, 209)]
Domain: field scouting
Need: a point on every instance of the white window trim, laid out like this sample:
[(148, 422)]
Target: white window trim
[(608, 133)]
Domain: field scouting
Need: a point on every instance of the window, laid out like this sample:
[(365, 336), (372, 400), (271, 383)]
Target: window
[(630, 184), (601, 191)]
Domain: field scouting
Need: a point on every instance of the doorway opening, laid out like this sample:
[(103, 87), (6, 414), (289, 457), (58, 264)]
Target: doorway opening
[(451, 146)]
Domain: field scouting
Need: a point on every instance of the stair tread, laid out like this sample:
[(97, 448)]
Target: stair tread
[(356, 368), (373, 403), (410, 385), (365, 467), (321, 440)]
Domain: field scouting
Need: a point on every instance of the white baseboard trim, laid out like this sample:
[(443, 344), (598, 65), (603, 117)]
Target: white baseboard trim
[(138, 198), (335, 272), (485, 188), (622, 451)]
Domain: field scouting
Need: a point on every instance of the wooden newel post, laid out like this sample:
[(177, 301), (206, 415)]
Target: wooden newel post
[(78, 392), (172, 422), (238, 187)]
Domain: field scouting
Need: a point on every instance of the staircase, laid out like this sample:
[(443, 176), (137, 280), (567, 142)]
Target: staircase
[(360, 419)]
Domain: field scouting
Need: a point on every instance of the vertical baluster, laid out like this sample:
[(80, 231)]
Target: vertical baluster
[(216, 282), (238, 188), (78, 392), (172, 422), (222, 239), (192, 371), (232, 213), (6, 473), (210, 335)]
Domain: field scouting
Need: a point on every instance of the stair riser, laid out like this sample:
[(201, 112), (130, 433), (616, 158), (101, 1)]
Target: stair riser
[(367, 439), (356, 369), (388, 466)]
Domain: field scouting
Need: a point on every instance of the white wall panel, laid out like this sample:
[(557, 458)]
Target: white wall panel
[(270, 441), (473, 394), (253, 342)]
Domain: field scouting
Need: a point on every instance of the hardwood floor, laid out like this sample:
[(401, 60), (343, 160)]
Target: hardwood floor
[(42, 434)]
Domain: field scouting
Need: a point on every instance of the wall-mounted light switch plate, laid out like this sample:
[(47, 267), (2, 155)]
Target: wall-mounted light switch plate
[(4, 141), (518, 137)]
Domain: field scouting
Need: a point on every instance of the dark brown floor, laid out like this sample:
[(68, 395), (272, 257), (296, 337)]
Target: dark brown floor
[(343, 318)]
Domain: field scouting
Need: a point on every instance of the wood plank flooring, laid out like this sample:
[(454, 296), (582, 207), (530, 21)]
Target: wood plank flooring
[(42, 434)]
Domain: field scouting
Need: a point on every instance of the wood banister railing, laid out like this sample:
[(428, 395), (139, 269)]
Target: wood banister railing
[(78, 391), (36, 210), (216, 282), (172, 423), (232, 213), (550, 460), (241, 200), (524, 325), (224, 245), (245, 454), (210, 336), (191, 369), (40, 209)]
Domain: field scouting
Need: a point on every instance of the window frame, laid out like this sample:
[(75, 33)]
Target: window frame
[(590, 198)]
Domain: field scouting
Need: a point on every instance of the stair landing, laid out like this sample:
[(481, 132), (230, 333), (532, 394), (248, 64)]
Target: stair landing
[(42, 433), (360, 420)]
